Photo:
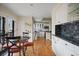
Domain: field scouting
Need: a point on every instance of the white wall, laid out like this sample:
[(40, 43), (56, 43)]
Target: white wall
[(8, 13), (22, 27), (19, 21)]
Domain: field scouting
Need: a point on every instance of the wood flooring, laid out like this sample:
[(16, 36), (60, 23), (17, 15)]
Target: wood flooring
[(42, 47)]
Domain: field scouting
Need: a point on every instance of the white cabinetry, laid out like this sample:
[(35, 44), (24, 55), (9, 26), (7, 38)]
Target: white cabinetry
[(59, 14), (73, 12), (74, 15), (64, 48), (48, 34), (62, 13)]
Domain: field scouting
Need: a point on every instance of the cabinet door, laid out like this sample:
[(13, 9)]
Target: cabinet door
[(61, 14), (53, 43), (48, 35), (73, 12), (76, 15), (75, 49), (63, 51), (64, 48), (57, 46), (69, 49)]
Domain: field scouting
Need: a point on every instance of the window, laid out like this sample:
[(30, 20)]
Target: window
[(2, 32)]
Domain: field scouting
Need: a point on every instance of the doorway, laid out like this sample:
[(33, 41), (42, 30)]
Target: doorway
[(43, 28)]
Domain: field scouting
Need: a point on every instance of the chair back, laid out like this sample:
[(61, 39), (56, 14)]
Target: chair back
[(12, 40)]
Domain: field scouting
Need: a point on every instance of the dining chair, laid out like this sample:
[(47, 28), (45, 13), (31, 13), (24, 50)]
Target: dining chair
[(11, 45), (27, 44)]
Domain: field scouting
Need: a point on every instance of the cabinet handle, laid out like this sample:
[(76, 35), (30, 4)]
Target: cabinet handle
[(58, 21), (72, 55), (65, 44)]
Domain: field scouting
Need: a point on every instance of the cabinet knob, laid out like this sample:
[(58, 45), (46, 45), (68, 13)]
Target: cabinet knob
[(72, 55), (65, 44), (58, 21)]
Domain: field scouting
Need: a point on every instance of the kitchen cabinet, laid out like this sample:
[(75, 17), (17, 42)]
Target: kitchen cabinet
[(59, 14), (73, 12), (74, 15), (59, 48), (63, 13), (48, 35), (54, 44), (64, 48), (56, 47)]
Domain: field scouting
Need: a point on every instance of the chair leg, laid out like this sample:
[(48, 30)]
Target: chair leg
[(12, 54), (33, 48), (19, 52), (23, 51), (8, 53)]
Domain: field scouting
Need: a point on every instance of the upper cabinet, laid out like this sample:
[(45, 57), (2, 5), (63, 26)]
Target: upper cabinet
[(63, 13), (73, 12), (59, 14)]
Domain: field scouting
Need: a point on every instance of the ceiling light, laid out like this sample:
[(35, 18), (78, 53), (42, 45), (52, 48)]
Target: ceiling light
[(31, 4)]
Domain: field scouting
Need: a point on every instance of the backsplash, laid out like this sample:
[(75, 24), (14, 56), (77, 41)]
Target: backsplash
[(69, 31)]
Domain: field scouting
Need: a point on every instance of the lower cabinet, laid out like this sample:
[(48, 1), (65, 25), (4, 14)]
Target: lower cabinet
[(64, 48), (62, 51)]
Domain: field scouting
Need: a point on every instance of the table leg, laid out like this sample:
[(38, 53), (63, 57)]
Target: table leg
[(8, 52), (19, 51), (23, 51)]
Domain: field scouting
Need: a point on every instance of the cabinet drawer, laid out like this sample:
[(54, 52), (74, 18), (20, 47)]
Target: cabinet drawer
[(65, 48), (71, 47), (75, 49)]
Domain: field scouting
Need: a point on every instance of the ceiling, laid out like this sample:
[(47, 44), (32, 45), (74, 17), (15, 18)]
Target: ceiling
[(38, 10)]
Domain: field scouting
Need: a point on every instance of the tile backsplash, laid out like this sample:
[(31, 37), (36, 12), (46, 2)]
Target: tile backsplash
[(69, 31)]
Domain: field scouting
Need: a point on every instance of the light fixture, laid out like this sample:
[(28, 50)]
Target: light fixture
[(31, 5)]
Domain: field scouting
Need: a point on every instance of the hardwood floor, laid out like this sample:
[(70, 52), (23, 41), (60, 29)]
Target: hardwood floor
[(42, 47)]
